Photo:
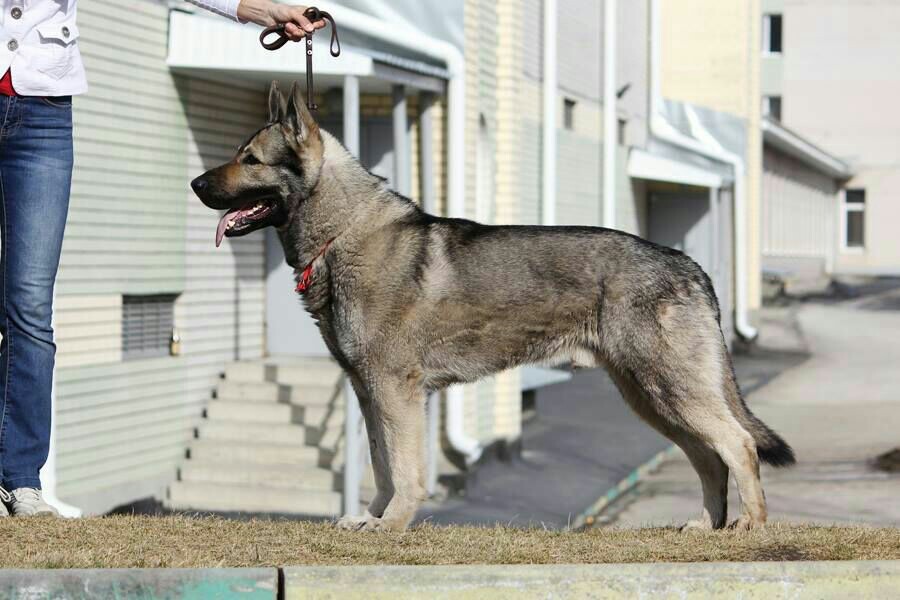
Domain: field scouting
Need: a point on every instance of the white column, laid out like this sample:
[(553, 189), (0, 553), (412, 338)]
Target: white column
[(351, 114), (353, 422), (429, 202), (610, 120), (548, 150), (402, 177)]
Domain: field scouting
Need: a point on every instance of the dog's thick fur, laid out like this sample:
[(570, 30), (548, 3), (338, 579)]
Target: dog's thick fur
[(408, 303)]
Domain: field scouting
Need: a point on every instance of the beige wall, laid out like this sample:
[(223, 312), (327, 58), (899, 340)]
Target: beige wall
[(710, 57), (841, 90)]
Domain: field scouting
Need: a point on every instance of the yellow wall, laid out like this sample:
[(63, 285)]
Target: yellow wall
[(711, 57)]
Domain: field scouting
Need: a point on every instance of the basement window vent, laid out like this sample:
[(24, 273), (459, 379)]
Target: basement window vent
[(147, 324)]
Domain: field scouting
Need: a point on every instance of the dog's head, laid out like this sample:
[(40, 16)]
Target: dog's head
[(275, 169)]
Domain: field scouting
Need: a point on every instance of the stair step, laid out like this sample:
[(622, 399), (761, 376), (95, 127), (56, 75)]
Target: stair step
[(250, 412), (321, 415), (266, 454), (250, 474), (308, 374), (222, 497), (250, 371), (257, 391), (307, 395), (236, 431)]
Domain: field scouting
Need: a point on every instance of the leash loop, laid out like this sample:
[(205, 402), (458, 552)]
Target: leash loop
[(313, 14)]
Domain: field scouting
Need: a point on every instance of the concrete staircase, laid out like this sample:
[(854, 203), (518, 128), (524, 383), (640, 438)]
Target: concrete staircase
[(271, 441)]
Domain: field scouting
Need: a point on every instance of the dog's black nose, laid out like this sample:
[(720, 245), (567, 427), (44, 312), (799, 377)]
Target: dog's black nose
[(199, 185)]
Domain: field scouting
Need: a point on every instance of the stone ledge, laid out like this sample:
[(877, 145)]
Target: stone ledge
[(765, 581)]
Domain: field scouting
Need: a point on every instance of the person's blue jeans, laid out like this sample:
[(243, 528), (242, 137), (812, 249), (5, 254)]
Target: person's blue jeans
[(35, 179)]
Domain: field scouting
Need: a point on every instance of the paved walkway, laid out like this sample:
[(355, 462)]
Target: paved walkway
[(583, 440), (838, 410)]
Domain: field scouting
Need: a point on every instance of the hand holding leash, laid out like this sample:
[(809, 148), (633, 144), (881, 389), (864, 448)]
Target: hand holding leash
[(313, 14)]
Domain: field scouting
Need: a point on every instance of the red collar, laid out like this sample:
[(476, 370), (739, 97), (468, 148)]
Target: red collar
[(306, 276)]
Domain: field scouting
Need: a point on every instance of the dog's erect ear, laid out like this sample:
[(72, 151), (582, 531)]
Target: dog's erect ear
[(276, 103), (298, 118)]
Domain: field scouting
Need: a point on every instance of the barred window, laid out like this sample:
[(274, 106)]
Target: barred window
[(147, 322)]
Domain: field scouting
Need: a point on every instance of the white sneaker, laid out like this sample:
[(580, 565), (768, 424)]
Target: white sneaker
[(5, 498), (28, 502)]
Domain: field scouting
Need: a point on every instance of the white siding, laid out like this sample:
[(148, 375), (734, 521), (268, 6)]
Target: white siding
[(134, 227), (799, 209)]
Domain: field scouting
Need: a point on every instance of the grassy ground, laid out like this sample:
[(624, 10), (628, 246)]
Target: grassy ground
[(211, 542)]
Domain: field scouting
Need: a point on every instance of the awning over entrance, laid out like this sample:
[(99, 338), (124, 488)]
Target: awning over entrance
[(219, 47), (653, 167)]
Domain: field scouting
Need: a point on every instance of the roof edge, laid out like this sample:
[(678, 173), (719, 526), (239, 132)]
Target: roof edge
[(794, 145)]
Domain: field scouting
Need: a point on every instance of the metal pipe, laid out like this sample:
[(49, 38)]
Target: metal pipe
[(610, 120), (462, 442), (664, 131)]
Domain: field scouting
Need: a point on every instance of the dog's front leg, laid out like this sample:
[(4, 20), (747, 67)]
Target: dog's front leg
[(384, 489), (395, 419)]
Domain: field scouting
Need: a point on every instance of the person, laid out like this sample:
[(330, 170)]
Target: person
[(41, 70)]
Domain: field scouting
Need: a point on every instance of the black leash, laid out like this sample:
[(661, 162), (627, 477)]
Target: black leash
[(313, 14)]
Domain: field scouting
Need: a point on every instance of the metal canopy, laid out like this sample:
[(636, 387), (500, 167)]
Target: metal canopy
[(220, 48)]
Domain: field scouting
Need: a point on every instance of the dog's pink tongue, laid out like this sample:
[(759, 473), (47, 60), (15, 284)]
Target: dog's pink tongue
[(223, 223)]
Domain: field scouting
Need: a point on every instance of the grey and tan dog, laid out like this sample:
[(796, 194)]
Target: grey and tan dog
[(408, 303)]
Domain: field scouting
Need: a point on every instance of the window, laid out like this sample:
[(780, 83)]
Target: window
[(569, 114), (854, 219), (771, 107), (147, 323), (771, 43)]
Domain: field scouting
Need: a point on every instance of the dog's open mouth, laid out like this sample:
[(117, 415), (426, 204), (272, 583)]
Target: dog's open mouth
[(241, 221)]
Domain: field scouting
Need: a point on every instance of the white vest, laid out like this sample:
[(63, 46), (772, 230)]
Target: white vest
[(39, 43)]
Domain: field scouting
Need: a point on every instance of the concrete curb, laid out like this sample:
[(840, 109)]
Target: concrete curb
[(587, 515), (765, 581), (146, 584)]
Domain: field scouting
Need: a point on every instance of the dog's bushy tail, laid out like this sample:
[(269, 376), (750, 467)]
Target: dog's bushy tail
[(770, 447)]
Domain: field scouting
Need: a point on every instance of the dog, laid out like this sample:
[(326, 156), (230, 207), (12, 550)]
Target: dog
[(409, 303)]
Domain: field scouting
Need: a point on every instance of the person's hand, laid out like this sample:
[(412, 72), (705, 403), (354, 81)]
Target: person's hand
[(267, 13)]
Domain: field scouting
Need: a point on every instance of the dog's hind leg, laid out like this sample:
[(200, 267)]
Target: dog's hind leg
[(713, 479), (710, 468)]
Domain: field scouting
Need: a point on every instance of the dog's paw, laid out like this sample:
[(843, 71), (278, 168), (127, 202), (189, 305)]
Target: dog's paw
[(696, 525), (365, 522), (745, 523)]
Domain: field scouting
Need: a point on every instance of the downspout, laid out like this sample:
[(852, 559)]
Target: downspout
[(609, 114), (399, 34), (661, 129), (548, 148)]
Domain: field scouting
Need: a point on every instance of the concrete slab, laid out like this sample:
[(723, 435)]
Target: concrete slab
[(146, 584), (764, 581)]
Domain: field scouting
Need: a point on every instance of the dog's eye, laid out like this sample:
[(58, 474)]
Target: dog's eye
[(251, 160)]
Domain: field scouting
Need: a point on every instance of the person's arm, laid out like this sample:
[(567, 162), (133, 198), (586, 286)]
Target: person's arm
[(265, 13)]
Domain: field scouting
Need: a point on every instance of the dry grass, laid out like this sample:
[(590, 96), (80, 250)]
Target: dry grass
[(213, 542)]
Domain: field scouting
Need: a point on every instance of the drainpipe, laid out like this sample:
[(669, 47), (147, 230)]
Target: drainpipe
[(609, 114), (399, 34), (710, 148), (548, 150)]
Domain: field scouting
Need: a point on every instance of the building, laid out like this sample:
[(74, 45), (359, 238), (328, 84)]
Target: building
[(831, 69)]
